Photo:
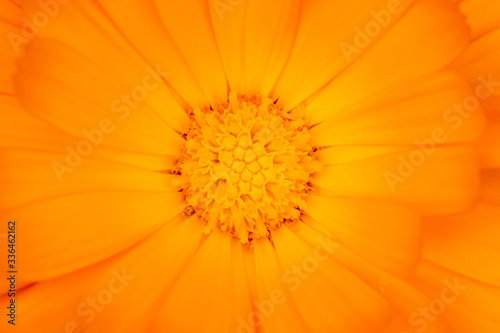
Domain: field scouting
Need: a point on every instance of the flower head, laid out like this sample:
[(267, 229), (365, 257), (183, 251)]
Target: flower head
[(251, 166)]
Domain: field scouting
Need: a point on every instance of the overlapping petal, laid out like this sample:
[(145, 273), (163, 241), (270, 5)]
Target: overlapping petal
[(92, 119)]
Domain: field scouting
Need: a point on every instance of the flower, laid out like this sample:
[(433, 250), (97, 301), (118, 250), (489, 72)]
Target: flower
[(250, 166)]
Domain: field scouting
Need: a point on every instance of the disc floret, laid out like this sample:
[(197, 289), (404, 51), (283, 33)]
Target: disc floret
[(246, 166)]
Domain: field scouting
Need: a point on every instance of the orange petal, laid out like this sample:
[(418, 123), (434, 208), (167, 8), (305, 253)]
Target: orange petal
[(384, 234), (188, 23), (490, 183), (125, 217), (402, 295), (405, 114), (490, 143), (396, 58), (212, 294), (11, 45), (55, 177), (158, 48), (88, 297), (433, 181), (318, 54), (229, 25), (113, 60), (255, 39), (19, 129), (269, 38), (468, 243), (466, 304), (104, 105), (271, 294), (480, 64), (482, 15), (329, 297)]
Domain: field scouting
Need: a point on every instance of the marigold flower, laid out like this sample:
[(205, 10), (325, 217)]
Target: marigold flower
[(250, 166)]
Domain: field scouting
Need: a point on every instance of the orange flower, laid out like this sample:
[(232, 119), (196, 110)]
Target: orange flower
[(250, 166)]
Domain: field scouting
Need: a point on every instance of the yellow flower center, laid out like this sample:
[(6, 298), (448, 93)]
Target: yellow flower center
[(246, 166)]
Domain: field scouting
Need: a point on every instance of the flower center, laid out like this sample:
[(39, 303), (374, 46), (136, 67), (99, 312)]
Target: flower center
[(246, 166)]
